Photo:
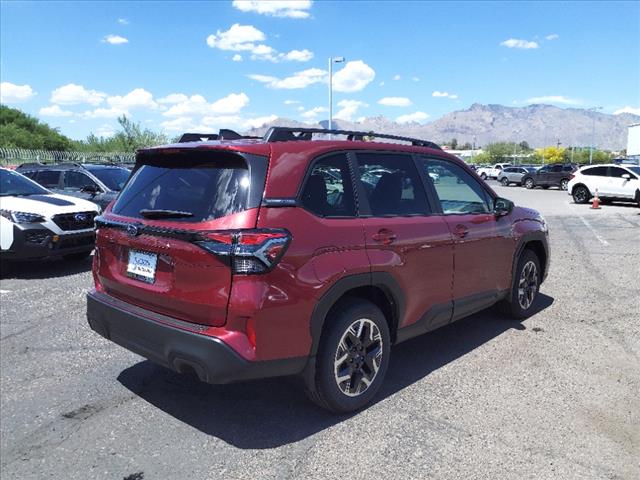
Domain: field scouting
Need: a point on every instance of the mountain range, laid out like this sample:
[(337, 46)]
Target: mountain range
[(479, 125)]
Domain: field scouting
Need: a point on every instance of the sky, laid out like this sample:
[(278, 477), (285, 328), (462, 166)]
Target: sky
[(201, 66)]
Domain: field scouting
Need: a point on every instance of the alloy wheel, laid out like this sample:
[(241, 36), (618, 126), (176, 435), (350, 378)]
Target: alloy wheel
[(528, 285), (564, 184), (358, 357), (528, 183)]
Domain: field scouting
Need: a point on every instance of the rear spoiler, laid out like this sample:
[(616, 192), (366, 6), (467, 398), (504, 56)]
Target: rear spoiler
[(223, 134)]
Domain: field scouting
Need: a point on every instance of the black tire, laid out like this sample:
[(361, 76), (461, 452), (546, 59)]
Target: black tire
[(513, 305), (325, 390), (638, 198), (564, 184), (529, 183), (77, 257), (483, 176), (545, 187), (505, 182), (581, 194)]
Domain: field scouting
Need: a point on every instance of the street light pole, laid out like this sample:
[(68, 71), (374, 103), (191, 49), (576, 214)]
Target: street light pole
[(593, 132), (332, 60)]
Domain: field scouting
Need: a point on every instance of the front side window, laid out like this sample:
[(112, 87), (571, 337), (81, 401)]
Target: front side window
[(556, 168), (76, 181), (113, 178), (617, 172), (392, 184), (458, 191), (328, 191)]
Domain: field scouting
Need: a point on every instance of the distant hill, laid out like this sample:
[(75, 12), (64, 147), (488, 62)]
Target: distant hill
[(538, 125)]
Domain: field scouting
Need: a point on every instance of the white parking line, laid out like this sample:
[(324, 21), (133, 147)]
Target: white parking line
[(593, 230)]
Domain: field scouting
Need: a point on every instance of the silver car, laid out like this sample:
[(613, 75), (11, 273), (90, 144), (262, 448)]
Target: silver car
[(511, 175)]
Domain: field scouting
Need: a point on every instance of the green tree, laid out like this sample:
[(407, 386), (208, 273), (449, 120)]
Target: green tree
[(524, 146), (453, 143), (19, 130)]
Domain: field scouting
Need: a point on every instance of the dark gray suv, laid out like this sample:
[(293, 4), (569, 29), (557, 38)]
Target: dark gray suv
[(97, 183)]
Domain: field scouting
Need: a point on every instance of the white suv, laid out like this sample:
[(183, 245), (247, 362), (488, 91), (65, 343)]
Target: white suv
[(613, 182), (37, 223)]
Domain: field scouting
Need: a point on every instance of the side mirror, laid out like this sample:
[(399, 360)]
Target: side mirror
[(93, 189), (626, 176), (502, 207)]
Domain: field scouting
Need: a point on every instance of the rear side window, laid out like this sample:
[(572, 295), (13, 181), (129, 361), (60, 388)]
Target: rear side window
[(328, 191), (392, 184), (201, 191), (48, 178), (595, 171)]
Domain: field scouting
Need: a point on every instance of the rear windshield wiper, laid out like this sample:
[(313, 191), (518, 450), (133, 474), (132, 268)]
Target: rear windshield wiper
[(165, 214)]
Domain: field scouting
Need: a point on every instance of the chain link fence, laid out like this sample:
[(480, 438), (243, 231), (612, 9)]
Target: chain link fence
[(18, 156)]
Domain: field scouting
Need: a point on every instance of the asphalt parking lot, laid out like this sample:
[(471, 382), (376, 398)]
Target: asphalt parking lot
[(554, 397)]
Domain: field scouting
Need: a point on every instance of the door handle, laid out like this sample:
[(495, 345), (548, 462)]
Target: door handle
[(384, 236), (461, 231)]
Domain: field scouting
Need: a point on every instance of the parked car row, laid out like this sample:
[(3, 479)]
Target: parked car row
[(49, 210), (616, 181)]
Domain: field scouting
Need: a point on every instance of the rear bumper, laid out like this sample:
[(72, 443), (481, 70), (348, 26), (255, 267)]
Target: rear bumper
[(37, 241), (212, 360)]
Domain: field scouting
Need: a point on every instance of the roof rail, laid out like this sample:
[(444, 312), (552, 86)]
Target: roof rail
[(286, 134), (223, 134)]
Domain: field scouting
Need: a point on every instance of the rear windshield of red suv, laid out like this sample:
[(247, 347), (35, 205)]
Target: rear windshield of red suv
[(183, 189)]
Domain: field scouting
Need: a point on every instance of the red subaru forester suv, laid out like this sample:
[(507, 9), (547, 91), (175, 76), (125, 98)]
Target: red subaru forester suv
[(244, 258)]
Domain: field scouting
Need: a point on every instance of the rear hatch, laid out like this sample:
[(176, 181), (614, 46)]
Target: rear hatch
[(162, 245)]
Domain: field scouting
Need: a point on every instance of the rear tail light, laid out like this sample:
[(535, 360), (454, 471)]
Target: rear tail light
[(572, 176), (247, 251)]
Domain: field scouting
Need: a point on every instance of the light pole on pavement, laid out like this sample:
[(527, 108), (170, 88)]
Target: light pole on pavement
[(332, 60), (593, 131)]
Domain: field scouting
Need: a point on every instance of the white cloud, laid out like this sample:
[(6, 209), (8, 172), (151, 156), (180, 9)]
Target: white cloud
[(237, 38), (517, 43), (381, 84), (180, 124), (415, 79), (258, 121), (72, 94), (276, 8), (298, 80), (553, 36), (237, 57), (104, 113), (395, 101), (247, 38), (438, 94), (313, 113), (555, 99), (137, 98), (297, 55), (416, 117), (628, 109), (173, 98), (12, 93), (123, 21), (54, 111), (198, 105), (106, 131), (291, 102), (397, 77), (348, 109), (353, 77), (114, 40)]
